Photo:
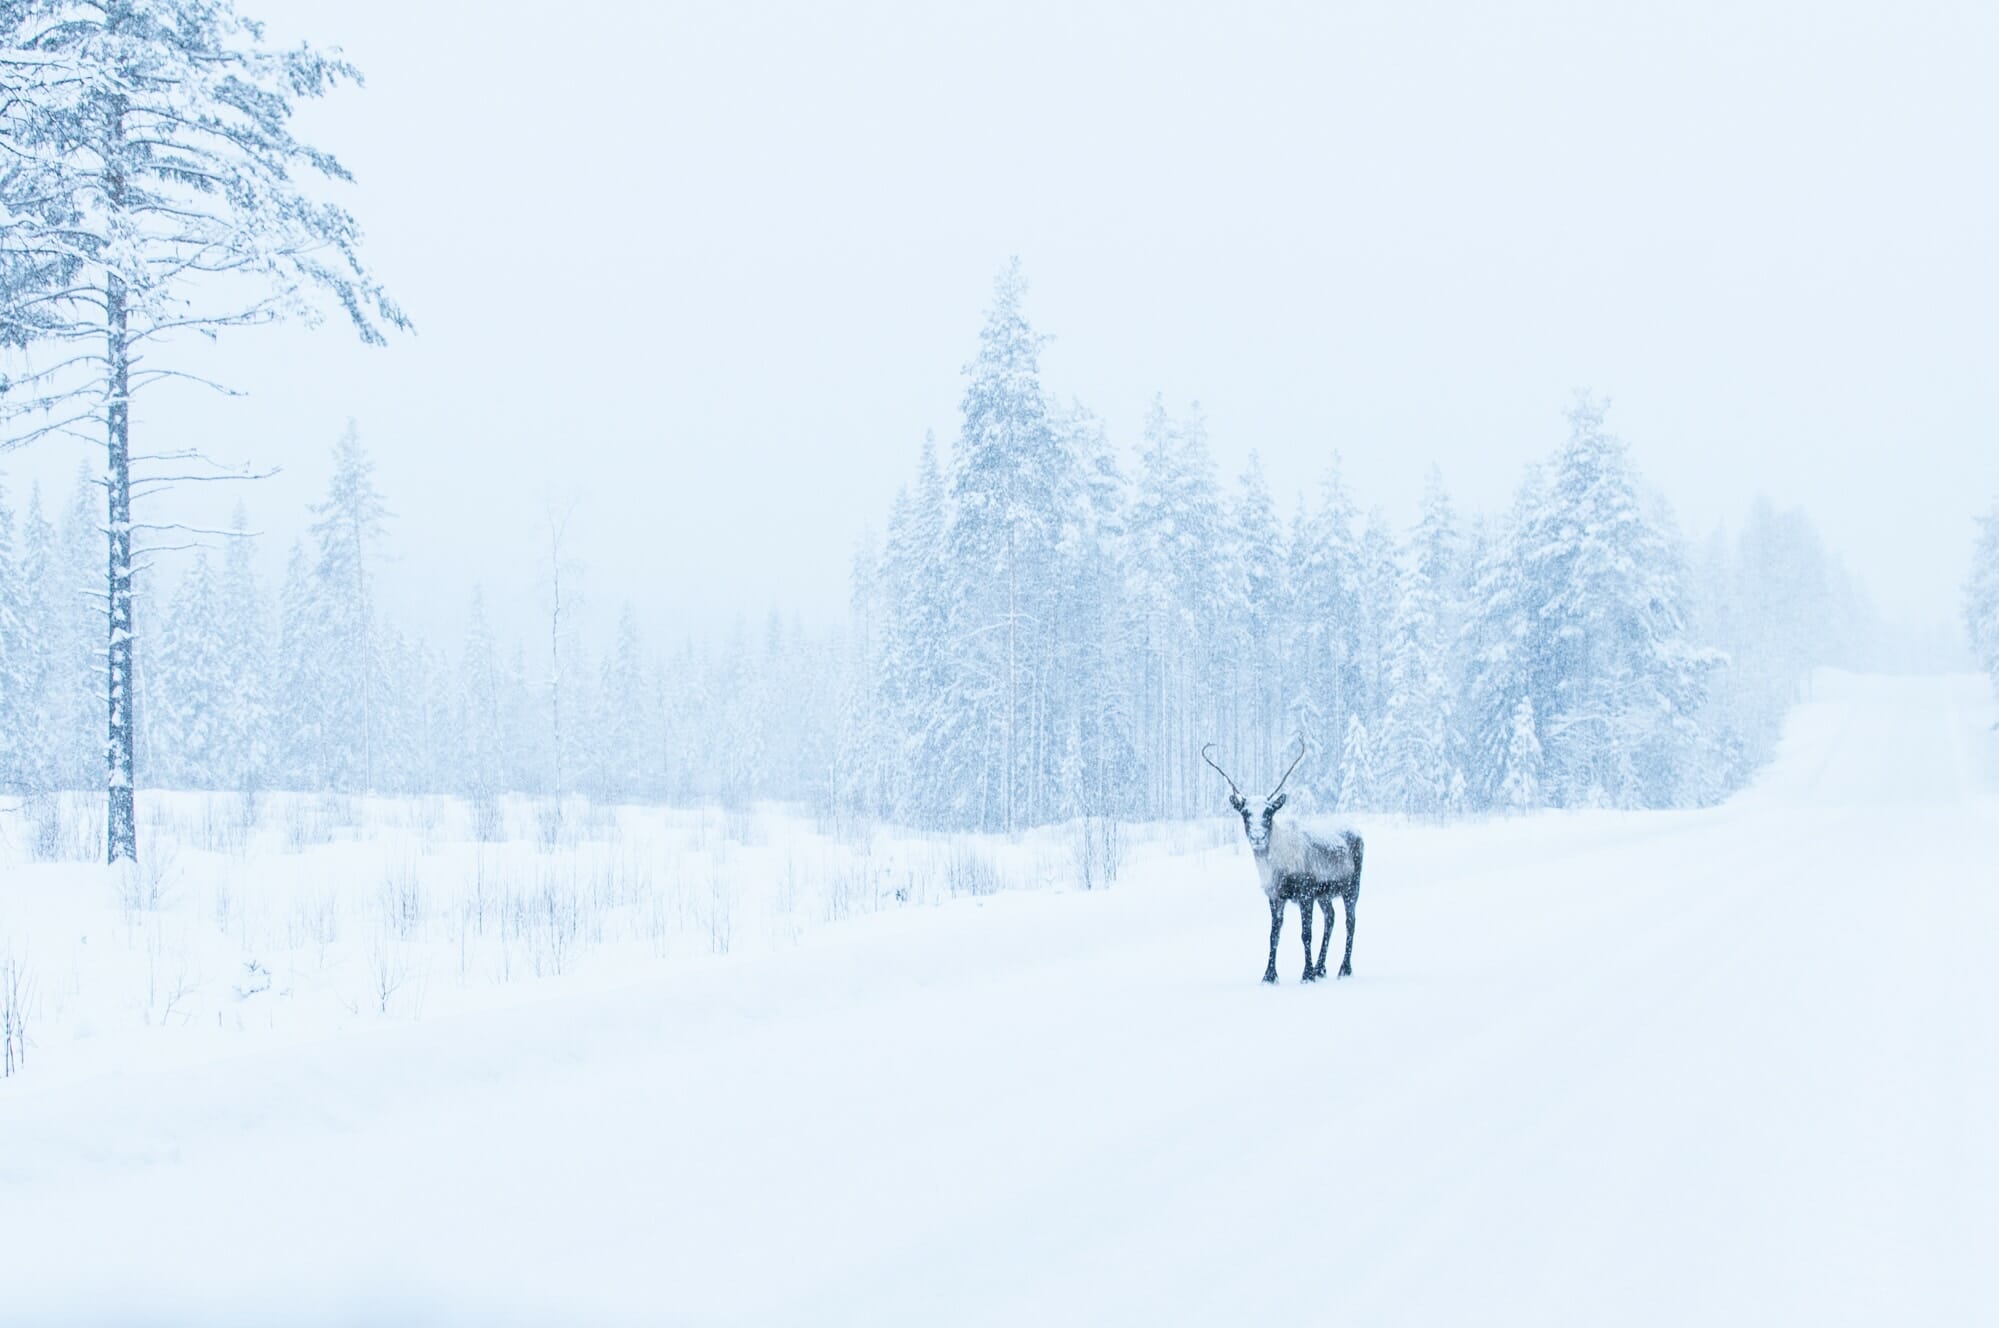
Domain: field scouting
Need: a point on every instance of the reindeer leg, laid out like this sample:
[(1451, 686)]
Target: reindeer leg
[(1305, 934), (1276, 929), (1352, 898), (1325, 939)]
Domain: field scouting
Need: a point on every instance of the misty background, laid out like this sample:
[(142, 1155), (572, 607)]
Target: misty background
[(710, 272)]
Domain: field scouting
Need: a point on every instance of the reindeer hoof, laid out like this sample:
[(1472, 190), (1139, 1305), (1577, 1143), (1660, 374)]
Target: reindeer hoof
[(1270, 976), (1311, 975), (1346, 972)]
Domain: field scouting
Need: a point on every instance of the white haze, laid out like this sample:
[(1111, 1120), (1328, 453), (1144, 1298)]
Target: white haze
[(712, 269)]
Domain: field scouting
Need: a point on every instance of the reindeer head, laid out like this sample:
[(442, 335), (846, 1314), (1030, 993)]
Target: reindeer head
[(1257, 825)]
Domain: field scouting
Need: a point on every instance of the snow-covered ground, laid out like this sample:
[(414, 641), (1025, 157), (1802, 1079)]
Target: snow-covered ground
[(1738, 1065)]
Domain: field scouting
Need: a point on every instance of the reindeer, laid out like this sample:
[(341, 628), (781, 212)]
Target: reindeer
[(1296, 864)]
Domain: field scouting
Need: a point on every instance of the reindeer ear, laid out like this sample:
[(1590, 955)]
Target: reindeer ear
[(1270, 808), (1235, 801)]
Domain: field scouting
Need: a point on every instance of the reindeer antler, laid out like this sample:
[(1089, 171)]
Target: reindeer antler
[(1287, 773), (1218, 770)]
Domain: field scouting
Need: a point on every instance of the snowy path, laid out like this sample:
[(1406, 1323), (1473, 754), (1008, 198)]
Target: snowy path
[(1730, 1066)]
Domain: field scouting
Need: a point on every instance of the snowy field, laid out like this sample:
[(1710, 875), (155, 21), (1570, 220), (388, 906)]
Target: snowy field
[(333, 1061)]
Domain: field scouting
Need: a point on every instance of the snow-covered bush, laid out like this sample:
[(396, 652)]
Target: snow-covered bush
[(13, 1014)]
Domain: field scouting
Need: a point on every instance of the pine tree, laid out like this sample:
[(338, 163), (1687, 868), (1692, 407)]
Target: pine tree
[(406, 749), (45, 633), (865, 769), (348, 531), (1623, 681), (1325, 609), (1261, 630), (301, 705), (1177, 540), (1009, 474), (1582, 610), (190, 694), (174, 121), (1981, 595), (1309, 727), (1419, 747), (626, 731), (1377, 596), (902, 607), (1500, 647), (521, 742), (14, 662), (245, 721), (1520, 770), (559, 585), (481, 760), (1357, 778), (1099, 743), (1414, 745)]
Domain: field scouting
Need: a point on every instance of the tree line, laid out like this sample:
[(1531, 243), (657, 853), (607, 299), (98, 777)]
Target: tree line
[(1043, 634), (306, 684), (1048, 629)]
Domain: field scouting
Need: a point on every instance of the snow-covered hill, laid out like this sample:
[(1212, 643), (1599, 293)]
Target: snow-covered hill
[(1739, 1065)]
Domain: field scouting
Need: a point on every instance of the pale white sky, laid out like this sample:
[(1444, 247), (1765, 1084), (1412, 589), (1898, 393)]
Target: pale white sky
[(712, 269)]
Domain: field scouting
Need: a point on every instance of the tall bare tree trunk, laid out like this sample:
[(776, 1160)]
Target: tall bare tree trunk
[(1012, 690), (367, 669), (558, 531), (121, 820)]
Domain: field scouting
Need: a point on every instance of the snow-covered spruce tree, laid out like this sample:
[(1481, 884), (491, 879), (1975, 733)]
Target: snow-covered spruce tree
[(1325, 605), (1177, 539), (1009, 475), (75, 612), (1981, 596), (1091, 720), (813, 694), (864, 770), (1415, 747), (1377, 595), (299, 706), (244, 736), (410, 705), (913, 656), (623, 744), (1504, 649), (152, 193), (1581, 609), (684, 714), (347, 530), (1228, 657), (897, 645), (14, 628), (1309, 730), (433, 708), (481, 757), (42, 618), (730, 738), (62, 565), (1720, 759), (1418, 748), (1520, 764), (560, 573), (526, 754), (1260, 631), (190, 693), (1358, 782)]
